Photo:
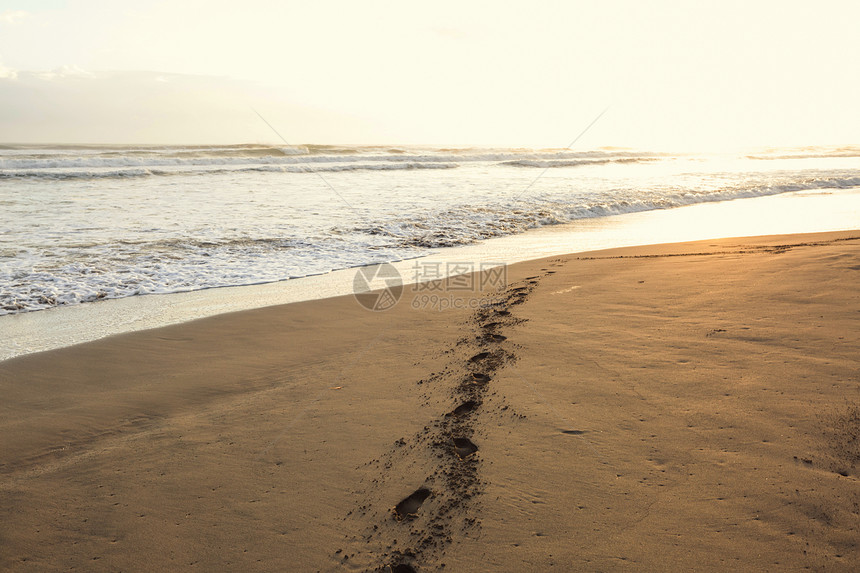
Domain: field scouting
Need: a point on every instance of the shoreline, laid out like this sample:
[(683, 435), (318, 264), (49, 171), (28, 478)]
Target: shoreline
[(682, 405), (798, 212)]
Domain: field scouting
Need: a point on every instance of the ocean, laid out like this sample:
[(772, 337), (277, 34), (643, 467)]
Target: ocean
[(80, 224)]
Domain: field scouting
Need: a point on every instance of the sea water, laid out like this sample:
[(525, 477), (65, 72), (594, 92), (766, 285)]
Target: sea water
[(80, 224)]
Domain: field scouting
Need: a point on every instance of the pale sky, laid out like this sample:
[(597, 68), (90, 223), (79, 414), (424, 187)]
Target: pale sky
[(674, 75)]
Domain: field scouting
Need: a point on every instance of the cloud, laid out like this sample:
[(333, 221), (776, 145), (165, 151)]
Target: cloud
[(63, 72), (7, 73), (12, 16), (71, 105)]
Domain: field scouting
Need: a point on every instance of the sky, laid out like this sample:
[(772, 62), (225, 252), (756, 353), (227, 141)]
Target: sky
[(674, 76)]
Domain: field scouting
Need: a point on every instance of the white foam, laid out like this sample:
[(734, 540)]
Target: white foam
[(243, 156)]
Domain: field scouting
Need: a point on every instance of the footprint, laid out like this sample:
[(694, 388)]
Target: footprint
[(464, 447), (464, 408), (480, 378), (496, 337), (530, 278), (491, 325), (409, 506), (573, 432), (478, 357), (400, 568), (503, 312)]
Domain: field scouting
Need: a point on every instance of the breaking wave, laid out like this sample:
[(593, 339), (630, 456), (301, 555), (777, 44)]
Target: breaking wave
[(96, 162)]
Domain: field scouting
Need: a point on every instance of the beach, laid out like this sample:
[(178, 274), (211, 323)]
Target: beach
[(682, 406)]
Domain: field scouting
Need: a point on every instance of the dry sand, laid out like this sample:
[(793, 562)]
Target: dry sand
[(675, 407)]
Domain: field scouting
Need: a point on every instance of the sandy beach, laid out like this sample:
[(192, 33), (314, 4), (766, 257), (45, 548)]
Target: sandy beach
[(691, 406)]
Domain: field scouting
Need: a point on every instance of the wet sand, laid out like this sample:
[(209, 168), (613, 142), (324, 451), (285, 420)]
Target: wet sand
[(690, 406)]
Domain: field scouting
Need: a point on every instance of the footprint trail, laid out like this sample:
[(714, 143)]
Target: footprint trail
[(411, 533)]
